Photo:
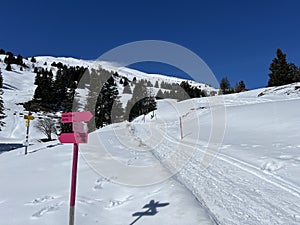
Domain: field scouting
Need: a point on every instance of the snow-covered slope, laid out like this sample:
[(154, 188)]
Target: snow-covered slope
[(19, 88), (254, 178)]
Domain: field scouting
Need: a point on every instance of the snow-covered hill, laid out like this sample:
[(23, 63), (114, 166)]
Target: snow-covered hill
[(19, 88)]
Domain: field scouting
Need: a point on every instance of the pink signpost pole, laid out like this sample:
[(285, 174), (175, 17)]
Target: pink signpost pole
[(73, 184), (79, 135)]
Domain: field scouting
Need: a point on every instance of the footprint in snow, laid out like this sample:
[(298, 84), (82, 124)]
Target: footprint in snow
[(115, 203), (86, 201), (46, 198), (101, 181), (45, 210), (272, 166)]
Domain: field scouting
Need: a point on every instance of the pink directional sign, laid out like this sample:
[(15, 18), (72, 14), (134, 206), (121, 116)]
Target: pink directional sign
[(70, 117), (73, 138)]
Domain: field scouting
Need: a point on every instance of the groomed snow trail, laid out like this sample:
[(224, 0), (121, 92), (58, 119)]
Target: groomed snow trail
[(235, 190)]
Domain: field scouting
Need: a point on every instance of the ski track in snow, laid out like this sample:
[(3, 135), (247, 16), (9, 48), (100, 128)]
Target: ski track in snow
[(235, 191), (224, 179)]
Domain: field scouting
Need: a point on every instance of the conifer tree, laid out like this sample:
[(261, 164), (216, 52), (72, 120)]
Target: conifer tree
[(33, 60), (225, 85), (282, 72), (127, 90), (140, 103), (160, 94), (103, 99), (2, 115), (239, 86), (8, 67)]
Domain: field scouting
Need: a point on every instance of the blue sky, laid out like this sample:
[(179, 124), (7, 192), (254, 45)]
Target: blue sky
[(237, 39)]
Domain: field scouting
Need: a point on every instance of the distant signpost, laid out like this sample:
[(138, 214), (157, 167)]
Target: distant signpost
[(27, 118), (79, 135)]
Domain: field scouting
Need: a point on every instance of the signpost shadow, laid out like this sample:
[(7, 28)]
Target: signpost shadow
[(151, 210)]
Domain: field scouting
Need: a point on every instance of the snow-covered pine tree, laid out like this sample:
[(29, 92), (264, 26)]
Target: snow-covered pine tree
[(140, 103), (103, 99)]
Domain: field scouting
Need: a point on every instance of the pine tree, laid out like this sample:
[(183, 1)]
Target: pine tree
[(43, 93), (2, 115), (103, 100), (140, 103), (8, 67), (127, 90), (239, 86), (33, 60), (117, 112), (107, 97), (134, 80), (19, 60), (281, 71), (225, 85), (159, 94)]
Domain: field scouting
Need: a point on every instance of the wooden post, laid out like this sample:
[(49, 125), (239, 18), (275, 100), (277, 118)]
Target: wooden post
[(73, 185)]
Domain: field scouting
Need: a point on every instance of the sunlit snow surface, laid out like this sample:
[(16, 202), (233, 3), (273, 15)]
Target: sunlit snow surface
[(253, 178)]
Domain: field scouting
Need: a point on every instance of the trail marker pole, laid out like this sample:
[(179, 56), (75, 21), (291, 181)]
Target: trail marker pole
[(26, 138), (73, 185), (27, 118), (80, 135), (181, 132)]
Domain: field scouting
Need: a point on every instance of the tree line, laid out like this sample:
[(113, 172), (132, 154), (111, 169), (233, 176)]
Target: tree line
[(57, 93), (281, 73)]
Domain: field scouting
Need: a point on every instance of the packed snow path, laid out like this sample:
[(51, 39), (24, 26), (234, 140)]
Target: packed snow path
[(249, 183)]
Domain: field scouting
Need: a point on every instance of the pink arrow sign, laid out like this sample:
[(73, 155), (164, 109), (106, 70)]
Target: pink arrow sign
[(70, 117), (73, 138)]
